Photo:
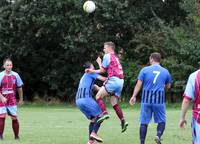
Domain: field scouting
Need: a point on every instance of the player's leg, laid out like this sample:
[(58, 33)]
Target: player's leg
[(12, 111), (15, 126), (96, 126), (95, 111), (119, 112), (99, 98), (2, 120), (145, 118), (160, 118), (143, 133), (115, 87), (91, 110)]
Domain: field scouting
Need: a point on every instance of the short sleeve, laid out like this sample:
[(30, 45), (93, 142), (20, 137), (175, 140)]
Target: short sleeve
[(19, 80), (189, 90), (1, 77), (141, 75), (106, 61), (94, 75)]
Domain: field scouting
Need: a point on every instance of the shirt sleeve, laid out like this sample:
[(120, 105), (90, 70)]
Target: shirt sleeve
[(141, 75), (106, 61), (94, 75), (1, 78), (189, 90), (19, 80)]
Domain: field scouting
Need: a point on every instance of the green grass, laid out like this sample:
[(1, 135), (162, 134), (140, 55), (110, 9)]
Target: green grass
[(67, 125)]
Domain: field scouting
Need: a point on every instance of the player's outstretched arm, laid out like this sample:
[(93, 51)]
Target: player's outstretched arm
[(137, 88), (101, 78), (184, 109), (89, 70)]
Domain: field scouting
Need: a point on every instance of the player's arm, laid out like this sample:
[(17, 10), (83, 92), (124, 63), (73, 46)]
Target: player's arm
[(99, 61), (101, 70), (101, 78), (184, 109), (96, 87), (135, 92), (20, 93), (168, 82)]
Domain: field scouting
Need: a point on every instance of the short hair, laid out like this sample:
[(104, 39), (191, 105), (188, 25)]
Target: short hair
[(6, 59), (156, 56), (111, 44), (87, 65)]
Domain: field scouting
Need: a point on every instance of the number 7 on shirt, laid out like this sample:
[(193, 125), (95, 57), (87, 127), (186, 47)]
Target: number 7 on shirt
[(156, 76)]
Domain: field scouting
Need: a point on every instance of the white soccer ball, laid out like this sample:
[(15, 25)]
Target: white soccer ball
[(89, 6)]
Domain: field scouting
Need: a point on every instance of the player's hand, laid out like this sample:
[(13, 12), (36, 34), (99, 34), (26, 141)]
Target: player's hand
[(98, 60), (88, 70), (3, 99), (21, 102), (182, 123), (132, 100)]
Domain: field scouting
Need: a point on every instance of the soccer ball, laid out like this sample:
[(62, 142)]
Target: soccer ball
[(89, 6)]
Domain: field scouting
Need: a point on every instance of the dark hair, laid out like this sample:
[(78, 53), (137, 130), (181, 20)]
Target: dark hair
[(156, 56), (87, 65), (111, 44), (6, 59)]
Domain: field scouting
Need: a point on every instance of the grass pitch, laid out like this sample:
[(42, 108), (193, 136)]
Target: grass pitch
[(67, 125)]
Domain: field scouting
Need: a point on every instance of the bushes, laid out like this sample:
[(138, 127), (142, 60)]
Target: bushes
[(49, 41)]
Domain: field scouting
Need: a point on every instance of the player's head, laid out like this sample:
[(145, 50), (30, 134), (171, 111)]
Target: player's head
[(155, 58), (7, 64), (88, 65), (109, 47)]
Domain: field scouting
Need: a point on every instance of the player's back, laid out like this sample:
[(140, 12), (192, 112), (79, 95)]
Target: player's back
[(154, 79), (85, 85)]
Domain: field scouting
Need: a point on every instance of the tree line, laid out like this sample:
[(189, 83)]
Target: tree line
[(50, 40)]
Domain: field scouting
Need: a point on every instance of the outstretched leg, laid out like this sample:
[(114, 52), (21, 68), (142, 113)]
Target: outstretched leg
[(99, 98), (119, 112)]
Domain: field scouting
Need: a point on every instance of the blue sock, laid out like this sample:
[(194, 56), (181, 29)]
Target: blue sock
[(143, 132), (160, 129), (91, 126), (96, 127)]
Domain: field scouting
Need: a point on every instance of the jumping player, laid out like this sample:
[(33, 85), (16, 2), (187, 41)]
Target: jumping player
[(10, 82), (113, 85)]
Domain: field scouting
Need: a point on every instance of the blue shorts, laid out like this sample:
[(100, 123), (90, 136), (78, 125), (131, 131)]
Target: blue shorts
[(10, 110), (195, 132), (155, 110), (114, 86), (89, 107)]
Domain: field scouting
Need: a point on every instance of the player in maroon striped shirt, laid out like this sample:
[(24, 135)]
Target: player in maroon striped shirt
[(10, 82)]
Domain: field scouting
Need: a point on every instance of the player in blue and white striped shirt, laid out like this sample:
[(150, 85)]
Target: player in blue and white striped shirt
[(153, 79), (86, 103)]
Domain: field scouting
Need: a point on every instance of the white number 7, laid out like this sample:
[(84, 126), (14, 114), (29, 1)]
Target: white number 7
[(156, 76)]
